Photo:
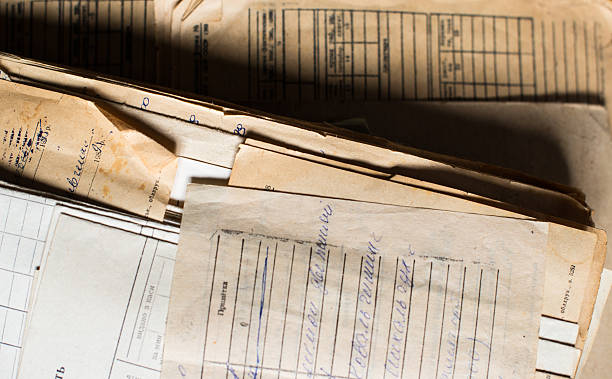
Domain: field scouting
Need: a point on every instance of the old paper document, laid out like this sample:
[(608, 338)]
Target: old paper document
[(115, 37), (70, 144), (572, 254), (315, 51), (340, 50), (306, 52), (321, 140), (24, 223), (113, 286), (277, 285), (26, 217)]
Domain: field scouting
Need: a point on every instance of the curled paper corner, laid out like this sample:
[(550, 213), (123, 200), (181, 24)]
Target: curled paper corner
[(4, 75)]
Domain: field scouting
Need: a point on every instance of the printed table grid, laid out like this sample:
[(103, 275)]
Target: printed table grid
[(310, 54), (355, 49), (84, 33), (141, 342), (271, 269), (24, 221)]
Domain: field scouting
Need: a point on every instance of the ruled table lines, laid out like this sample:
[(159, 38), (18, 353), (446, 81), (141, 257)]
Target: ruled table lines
[(289, 309), (310, 54)]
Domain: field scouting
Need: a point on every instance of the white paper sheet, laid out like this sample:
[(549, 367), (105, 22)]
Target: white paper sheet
[(25, 221)]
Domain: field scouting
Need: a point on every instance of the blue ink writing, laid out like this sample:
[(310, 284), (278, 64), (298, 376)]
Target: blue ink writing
[(145, 103), (474, 354), (364, 319), (400, 320), (240, 130), (451, 344), (193, 120), (253, 373), (73, 182), (317, 268)]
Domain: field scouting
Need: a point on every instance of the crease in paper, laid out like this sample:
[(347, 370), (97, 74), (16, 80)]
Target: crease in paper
[(69, 144)]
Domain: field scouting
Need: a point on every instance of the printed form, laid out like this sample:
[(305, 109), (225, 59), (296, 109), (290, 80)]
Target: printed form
[(103, 299), (25, 222), (271, 285)]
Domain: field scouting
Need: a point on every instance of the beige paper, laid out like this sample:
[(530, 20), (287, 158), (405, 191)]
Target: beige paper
[(459, 182), (598, 311), (542, 375), (343, 51), (307, 52), (573, 256), (270, 284), (318, 139), (70, 144)]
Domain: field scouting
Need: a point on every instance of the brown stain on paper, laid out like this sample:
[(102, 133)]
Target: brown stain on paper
[(118, 165), (106, 191)]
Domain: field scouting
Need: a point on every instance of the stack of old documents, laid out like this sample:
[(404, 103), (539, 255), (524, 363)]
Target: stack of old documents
[(149, 234)]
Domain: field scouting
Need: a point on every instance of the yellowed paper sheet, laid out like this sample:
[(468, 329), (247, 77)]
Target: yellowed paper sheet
[(314, 52), (114, 37), (573, 255), (376, 153), (542, 375), (279, 285), (460, 182), (305, 52), (70, 144)]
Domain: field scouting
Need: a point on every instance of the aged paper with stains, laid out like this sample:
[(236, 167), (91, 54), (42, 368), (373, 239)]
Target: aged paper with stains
[(69, 144), (277, 285), (313, 138)]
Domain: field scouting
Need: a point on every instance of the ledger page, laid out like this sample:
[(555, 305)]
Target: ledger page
[(276, 285)]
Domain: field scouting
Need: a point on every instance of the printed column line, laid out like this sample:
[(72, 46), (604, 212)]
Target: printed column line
[(442, 323), (355, 318), (338, 314), (229, 350), (246, 353), (391, 316), (263, 354), (303, 313), (373, 321), (408, 321), (476, 325), (322, 308), (280, 359), (493, 322), (459, 326), (426, 314)]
